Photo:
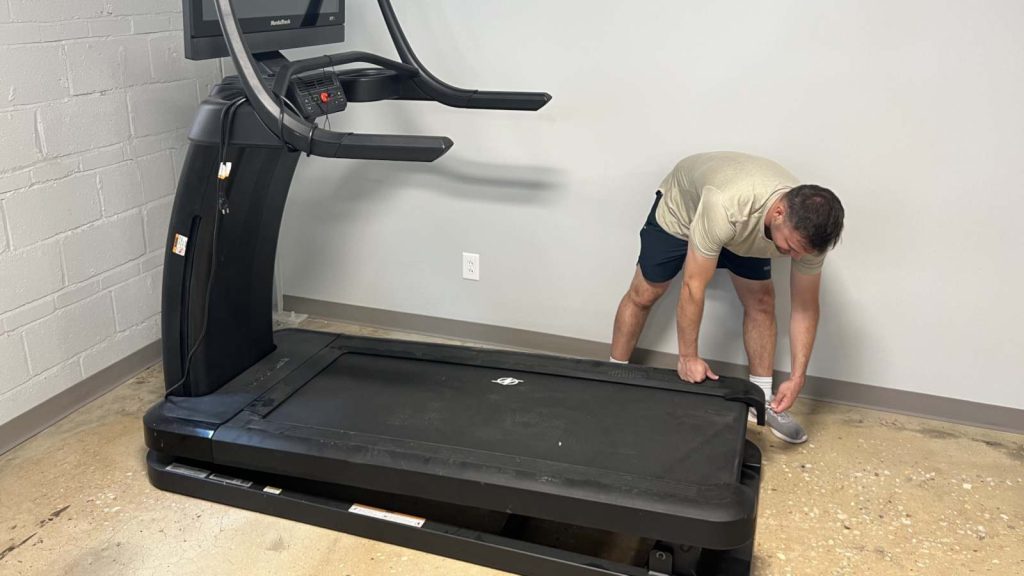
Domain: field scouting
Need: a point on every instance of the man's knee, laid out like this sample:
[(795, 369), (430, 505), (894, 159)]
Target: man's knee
[(645, 294), (762, 302)]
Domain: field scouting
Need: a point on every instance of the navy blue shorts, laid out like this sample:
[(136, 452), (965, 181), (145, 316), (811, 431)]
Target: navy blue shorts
[(662, 255)]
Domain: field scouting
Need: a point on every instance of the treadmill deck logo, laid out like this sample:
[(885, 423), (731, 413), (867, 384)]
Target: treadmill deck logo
[(281, 22), (508, 381)]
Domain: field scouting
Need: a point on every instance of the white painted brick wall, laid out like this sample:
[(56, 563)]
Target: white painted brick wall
[(157, 215), (32, 73), (14, 371), (152, 23), (82, 124), (55, 170), (28, 314), (121, 188), (110, 27), (143, 7), (68, 332), (120, 275), (14, 181), (169, 62), (163, 107), (3, 231), (137, 299), (18, 139), (121, 345), (151, 261), (96, 65), (41, 212), (103, 157), (158, 178), (103, 246), (29, 274), (63, 31), (19, 33), (76, 293), (39, 389), (95, 104), (56, 10)]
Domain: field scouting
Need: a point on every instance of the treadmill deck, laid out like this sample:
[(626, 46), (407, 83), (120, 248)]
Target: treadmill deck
[(627, 449)]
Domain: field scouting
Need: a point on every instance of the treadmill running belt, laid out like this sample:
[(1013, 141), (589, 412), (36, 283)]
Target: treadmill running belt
[(660, 434)]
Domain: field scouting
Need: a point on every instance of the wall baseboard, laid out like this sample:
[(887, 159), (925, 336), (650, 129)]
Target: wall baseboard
[(941, 408), (27, 425)]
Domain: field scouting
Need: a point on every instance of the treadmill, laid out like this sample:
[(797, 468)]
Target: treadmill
[(528, 463)]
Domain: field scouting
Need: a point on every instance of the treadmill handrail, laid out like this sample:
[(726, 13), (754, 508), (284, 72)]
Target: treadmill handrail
[(450, 95), (289, 126), (301, 135)]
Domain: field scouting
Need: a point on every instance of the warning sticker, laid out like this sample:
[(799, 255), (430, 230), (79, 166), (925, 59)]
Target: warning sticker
[(180, 243), (389, 516)]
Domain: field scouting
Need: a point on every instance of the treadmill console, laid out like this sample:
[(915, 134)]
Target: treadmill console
[(317, 94)]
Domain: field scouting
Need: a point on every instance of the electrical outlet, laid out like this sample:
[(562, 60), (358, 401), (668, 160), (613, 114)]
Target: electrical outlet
[(470, 266)]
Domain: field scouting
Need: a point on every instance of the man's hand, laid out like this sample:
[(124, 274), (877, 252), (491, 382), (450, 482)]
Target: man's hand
[(786, 395), (693, 369)]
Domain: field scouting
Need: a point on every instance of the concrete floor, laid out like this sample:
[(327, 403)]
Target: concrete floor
[(871, 493)]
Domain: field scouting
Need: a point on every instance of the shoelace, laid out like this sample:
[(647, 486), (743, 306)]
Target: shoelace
[(783, 417)]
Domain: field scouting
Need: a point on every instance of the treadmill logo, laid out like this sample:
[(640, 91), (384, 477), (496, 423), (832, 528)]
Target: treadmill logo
[(282, 22), (507, 381)]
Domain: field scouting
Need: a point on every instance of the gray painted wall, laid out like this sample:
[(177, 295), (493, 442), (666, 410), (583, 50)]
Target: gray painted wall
[(909, 110)]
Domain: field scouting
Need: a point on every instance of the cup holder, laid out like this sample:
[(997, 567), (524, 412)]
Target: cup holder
[(369, 84)]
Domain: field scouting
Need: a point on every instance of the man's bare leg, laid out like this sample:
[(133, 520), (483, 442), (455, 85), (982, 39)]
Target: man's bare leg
[(759, 327), (632, 314), (759, 333)]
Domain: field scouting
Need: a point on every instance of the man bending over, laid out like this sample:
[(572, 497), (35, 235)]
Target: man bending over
[(735, 211)]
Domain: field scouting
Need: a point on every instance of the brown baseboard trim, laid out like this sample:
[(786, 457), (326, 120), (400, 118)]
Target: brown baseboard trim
[(817, 388), (27, 425)]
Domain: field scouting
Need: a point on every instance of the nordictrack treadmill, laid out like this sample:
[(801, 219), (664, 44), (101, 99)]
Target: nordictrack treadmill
[(527, 463)]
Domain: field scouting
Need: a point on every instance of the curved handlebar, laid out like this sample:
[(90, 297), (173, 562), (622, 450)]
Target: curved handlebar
[(450, 95), (297, 132), (305, 136)]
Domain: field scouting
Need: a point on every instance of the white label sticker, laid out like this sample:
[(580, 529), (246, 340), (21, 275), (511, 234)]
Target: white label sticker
[(389, 516), (272, 490), (180, 243)]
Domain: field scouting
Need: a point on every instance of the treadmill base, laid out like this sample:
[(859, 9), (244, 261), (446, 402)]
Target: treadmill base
[(505, 542)]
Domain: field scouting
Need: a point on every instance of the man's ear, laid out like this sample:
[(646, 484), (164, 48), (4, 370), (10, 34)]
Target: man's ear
[(779, 210)]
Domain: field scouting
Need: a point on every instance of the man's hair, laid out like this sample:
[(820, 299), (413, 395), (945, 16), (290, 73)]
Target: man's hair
[(816, 214)]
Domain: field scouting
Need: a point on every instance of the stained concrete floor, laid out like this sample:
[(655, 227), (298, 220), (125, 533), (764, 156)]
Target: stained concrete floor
[(870, 493)]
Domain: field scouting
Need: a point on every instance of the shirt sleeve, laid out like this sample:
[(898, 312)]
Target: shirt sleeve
[(711, 228), (810, 264)]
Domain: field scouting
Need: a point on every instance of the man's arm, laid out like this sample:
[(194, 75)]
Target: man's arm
[(803, 325), (697, 272)]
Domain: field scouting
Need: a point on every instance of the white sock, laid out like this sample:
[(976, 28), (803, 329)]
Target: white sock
[(614, 361), (764, 383)]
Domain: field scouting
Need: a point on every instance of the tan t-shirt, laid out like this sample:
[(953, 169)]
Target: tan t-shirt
[(718, 200)]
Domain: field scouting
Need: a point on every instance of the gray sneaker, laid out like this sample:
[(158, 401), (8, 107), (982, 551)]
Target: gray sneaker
[(782, 425)]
